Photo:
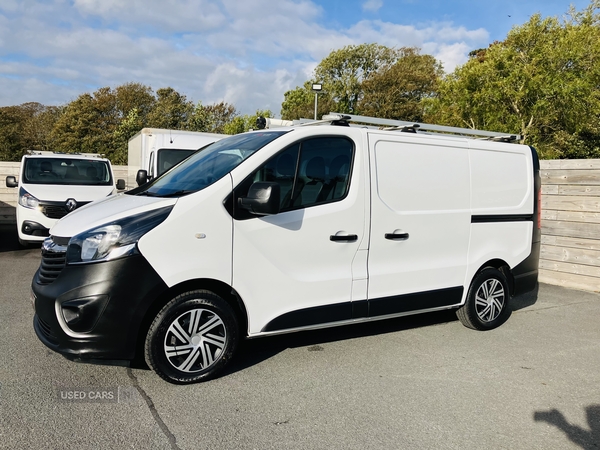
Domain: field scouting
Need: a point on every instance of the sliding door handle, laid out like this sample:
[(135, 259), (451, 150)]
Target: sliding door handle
[(396, 236), (344, 237)]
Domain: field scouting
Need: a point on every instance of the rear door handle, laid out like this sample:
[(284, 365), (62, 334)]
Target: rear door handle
[(345, 237), (396, 236)]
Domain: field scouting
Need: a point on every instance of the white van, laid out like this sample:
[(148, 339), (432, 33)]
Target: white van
[(51, 185), (153, 151), (297, 228)]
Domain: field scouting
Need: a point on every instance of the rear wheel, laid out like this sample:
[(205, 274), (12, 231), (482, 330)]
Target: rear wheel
[(486, 306), (192, 338)]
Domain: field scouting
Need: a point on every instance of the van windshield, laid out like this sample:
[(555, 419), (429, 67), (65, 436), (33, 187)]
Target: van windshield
[(68, 171), (208, 165)]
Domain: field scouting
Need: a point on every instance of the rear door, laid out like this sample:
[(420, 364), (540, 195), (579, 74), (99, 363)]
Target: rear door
[(420, 224)]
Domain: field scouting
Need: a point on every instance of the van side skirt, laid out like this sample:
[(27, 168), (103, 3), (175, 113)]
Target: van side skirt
[(364, 309)]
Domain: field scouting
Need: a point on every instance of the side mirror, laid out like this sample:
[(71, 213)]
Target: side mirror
[(11, 182), (141, 177), (121, 184), (263, 198)]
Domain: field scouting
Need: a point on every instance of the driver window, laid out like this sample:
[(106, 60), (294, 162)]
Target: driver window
[(309, 173)]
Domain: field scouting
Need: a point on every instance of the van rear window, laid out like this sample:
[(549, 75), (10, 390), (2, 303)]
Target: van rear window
[(66, 171)]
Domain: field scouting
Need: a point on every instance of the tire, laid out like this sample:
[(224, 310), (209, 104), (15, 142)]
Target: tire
[(192, 338), (487, 303)]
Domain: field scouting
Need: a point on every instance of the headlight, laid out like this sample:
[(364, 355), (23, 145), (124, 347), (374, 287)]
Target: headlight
[(27, 200), (113, 240)]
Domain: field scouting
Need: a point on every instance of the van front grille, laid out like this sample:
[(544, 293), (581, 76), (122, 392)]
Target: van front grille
[(58, 210), (54, 212), (54, 259)]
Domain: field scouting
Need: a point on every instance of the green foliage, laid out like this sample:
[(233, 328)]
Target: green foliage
[(171, 111), (397, 91), (128, 127), (343, 71), (299, 103), (104, 121), (241, 124), (25, 127), (367, 79), (211, 118), (542, 82)]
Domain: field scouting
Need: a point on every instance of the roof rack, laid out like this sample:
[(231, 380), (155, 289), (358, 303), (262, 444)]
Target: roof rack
[(410, 127), (48, 153)]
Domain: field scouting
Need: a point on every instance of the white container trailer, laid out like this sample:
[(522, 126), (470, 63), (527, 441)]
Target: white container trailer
[(156, 150)]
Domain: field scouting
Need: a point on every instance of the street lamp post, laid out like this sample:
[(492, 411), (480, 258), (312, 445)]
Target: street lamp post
[(316, 87)]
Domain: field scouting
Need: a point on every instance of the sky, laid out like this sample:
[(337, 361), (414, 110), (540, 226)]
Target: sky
[(245, 52)]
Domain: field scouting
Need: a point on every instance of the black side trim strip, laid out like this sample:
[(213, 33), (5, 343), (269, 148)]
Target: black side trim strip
[(503, 218), (363, 309), (311, 316), (414, 302)]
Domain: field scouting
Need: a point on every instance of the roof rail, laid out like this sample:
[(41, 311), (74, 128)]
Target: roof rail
[(412, 127), (48, 153)]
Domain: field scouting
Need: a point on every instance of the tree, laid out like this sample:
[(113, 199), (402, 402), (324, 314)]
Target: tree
[(128, 127), (299, 103), (26, 127), (343, 72), (542, 81), (78, 128), (172, 110), (211, 118), (247, 122), (349, 73), (104, 121), (396, 92)]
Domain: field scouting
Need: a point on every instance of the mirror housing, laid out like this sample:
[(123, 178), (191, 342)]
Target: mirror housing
[(11, 181), (264, 199), (121, 184), (141, 177)]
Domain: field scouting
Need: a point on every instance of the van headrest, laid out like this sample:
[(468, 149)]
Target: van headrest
[(315, 169)]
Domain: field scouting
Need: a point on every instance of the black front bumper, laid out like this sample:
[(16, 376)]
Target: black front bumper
[(127, 288)]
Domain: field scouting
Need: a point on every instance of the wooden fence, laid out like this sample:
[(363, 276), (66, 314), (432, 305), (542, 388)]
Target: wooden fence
[(570, 254)]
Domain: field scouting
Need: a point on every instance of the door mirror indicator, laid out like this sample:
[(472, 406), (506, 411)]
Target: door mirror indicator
[(264, 199)]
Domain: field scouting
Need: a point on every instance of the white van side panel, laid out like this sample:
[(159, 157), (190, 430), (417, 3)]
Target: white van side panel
[(420, 187), (502, 185), (510, 242), (501, 178), (195, 241)]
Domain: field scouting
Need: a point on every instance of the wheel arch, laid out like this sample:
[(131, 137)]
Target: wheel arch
[(219, 288), (503, 267)]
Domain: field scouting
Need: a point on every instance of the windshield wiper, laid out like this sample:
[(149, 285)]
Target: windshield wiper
[(177, 193)]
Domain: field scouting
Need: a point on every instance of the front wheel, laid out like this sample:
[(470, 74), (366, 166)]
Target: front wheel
[(486, 306), (192, 338)]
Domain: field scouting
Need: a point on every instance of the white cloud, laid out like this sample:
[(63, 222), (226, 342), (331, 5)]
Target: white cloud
[(372, 5), (245, 53)]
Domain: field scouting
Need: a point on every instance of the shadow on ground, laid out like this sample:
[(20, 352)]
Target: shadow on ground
[(254, 351), (9, 239), (586, 439)]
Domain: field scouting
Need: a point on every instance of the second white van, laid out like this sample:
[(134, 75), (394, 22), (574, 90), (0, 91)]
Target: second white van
[(297, 228)]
